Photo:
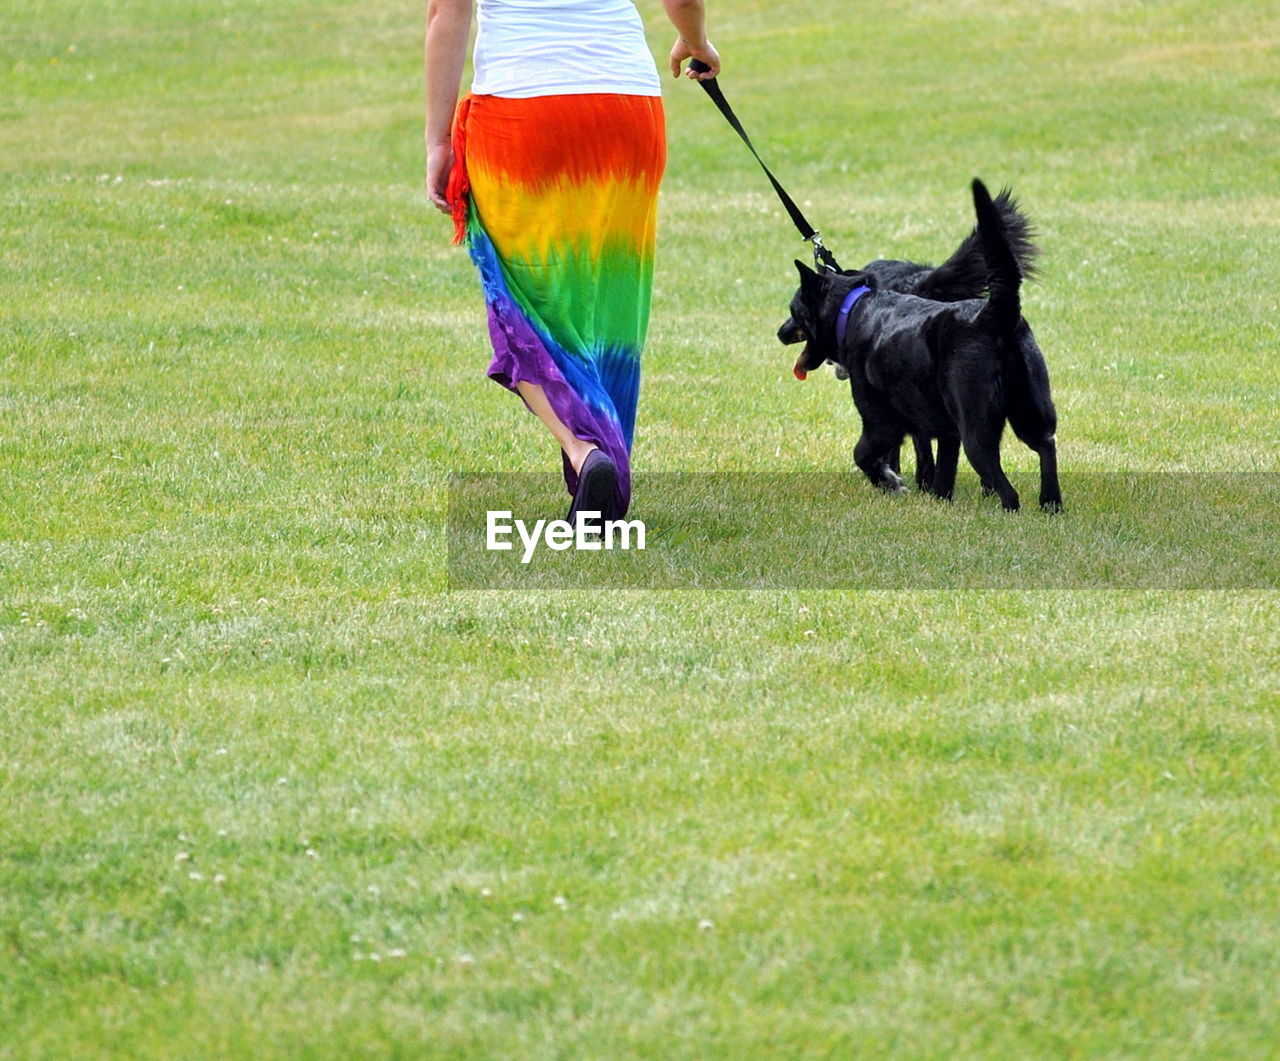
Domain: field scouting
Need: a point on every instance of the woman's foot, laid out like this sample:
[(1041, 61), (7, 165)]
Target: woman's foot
[(597, 486)]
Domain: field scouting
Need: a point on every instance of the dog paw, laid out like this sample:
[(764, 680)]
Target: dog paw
[(892, 483)]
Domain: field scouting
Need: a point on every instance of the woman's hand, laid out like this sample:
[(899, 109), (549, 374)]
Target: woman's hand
[(439, 165), (706, 52)]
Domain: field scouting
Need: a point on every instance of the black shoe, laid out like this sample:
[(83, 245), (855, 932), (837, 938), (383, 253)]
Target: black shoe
[(597, 487)]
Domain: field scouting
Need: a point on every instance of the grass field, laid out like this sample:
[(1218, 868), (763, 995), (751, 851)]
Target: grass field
[(269, 788)]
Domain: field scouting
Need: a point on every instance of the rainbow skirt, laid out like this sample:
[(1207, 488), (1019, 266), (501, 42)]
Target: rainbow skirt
[(556, 198)]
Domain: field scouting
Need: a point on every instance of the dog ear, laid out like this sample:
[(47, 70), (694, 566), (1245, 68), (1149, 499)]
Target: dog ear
[(811, 283)]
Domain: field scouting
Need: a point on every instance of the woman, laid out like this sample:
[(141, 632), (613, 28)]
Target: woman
[(550, 168)]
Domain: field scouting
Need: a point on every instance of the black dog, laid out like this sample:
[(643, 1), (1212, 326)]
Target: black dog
[(961, 276), (954, 371)]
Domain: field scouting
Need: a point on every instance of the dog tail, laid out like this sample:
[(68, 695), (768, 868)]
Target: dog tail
[(1004, 275), (1018, 231), (964, 274)]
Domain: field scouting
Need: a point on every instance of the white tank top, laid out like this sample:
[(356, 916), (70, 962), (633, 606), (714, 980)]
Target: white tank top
[(562, 47)]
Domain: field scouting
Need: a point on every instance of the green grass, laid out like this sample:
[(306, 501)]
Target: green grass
[(269, 789)]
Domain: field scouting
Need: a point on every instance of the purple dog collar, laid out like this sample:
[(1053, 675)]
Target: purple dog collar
[(842, 321)]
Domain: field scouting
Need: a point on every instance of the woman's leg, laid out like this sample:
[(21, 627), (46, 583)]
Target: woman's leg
[(575, 449)]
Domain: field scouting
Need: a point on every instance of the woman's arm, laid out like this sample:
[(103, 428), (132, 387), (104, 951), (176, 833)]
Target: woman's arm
[(445, 54), (689, 19)]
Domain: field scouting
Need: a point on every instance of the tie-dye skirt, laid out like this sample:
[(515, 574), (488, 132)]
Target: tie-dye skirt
[(556, 197)]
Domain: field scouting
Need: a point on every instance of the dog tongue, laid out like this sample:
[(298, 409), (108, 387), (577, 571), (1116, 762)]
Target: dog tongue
[(800, 373)]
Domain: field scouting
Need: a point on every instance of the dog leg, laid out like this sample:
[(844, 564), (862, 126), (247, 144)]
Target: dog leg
[(1050, 492), (1036, 431), (925, 468), (872, 454), (944, 474), (1039, 438), (984, 455)]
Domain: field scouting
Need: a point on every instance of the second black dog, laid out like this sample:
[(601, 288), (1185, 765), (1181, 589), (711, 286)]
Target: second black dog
[(954, 371)]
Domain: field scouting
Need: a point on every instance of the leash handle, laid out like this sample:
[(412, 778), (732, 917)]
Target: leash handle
[(822, 257)]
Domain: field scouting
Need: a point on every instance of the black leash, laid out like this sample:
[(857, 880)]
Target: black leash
[(822, 257)]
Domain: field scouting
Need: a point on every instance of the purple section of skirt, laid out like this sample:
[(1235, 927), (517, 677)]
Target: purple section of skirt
[(521, 355)]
